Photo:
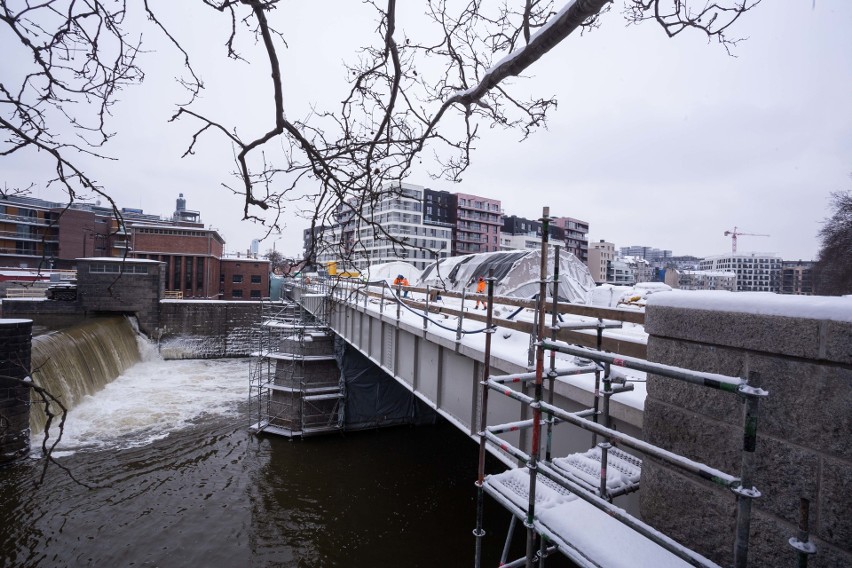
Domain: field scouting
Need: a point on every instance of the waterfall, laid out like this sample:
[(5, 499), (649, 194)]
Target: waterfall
[(81, 360)]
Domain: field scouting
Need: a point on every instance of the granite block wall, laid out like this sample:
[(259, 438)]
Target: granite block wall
[(191, 329), (804, 446)]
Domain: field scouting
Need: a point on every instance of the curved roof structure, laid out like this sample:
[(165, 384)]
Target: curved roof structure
[(516, 273), (389, 271)]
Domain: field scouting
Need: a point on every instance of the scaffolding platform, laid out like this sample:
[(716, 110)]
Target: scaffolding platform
[(294, 386), (593, 533), (622, 473), (291, 356), (267, 428)]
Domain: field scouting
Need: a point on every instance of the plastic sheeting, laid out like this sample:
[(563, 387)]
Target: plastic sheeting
[(390, 270), (517, 274), (373, 398)]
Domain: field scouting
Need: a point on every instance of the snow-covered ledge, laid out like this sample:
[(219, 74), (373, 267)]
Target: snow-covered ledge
[(802, 348)]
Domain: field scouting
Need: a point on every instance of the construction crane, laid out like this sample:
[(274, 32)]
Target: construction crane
[(734, 234)]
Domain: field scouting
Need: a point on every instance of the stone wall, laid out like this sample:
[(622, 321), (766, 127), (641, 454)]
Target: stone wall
[(200, 329), (135, 287), (802, 349), (45, 314)]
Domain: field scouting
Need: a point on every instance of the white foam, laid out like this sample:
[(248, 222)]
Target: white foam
[(153, 399)]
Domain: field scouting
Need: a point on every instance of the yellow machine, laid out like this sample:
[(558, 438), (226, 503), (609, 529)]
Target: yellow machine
[(331, 269)]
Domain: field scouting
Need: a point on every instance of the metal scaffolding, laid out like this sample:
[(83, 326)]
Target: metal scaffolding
[(295, 387), (547, 493)]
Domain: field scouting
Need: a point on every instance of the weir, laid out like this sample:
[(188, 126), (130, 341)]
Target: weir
[(81, 360)]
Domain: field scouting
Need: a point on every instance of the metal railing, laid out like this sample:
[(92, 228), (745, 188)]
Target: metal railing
[(545, 413)]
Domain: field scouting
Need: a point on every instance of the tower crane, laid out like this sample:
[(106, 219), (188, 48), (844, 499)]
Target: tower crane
[(734, 234)]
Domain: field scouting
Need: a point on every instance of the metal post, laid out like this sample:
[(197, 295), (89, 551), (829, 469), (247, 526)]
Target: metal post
[(426, 318), (483, 421), (398, 300), (804, 547), (505, 555), (551, 375), (539, 382), (604, 446), (461, 317), (382, 303), (746, 492)]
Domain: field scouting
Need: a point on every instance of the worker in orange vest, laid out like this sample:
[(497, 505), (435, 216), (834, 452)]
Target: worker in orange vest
[(401, 281), (480, 289)]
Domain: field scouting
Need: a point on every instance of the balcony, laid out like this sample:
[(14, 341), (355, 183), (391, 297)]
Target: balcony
[(26, 220), (15, 236)]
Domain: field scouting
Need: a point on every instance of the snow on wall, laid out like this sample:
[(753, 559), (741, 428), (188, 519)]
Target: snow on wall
[(759, 303)]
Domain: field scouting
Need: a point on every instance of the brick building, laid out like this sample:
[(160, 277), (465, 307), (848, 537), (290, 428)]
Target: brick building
[(243, 278), (35, 233), (40, 234), (190, 252)]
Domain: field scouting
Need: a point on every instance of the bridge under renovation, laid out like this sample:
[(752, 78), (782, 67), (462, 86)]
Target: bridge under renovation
[(621, 449)]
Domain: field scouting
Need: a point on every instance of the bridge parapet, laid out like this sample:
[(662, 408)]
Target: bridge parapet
[(801, 348)]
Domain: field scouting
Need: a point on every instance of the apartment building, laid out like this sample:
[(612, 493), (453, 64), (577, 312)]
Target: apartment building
[(570, 233), (620, 273), (648, 253), (796, 277), (519, 233), (35, 233), (600, 255), (391, 228), (756, 272), (702, 280), (478, 224), (576, 236)]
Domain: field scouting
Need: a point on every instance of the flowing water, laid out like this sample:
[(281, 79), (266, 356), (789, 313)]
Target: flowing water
[(176, 480)]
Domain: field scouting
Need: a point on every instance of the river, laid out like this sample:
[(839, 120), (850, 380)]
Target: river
[(176, 480)]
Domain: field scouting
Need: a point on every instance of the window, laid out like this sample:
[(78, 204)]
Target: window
[(237, 278), (255, 278), (254, 294), (117, 268), (237, 294)]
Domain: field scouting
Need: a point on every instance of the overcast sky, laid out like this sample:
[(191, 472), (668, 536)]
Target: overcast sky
[(659, 142)]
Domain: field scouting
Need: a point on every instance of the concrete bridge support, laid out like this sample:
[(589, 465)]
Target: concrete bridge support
[(15, 350)]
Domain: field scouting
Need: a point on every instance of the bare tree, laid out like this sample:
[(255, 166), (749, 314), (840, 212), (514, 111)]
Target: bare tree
[(833, 270), (408, 94)]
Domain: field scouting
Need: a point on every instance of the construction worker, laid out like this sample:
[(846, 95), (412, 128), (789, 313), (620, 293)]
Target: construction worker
[(401, 281), (480, 289)]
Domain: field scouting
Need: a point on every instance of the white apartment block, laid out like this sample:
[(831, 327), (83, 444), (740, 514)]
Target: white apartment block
[(392, 229), (528, 241), (756, 271), (703, 280)]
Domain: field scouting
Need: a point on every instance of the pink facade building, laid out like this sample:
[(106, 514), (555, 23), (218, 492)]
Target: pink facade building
[(478, 223)]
